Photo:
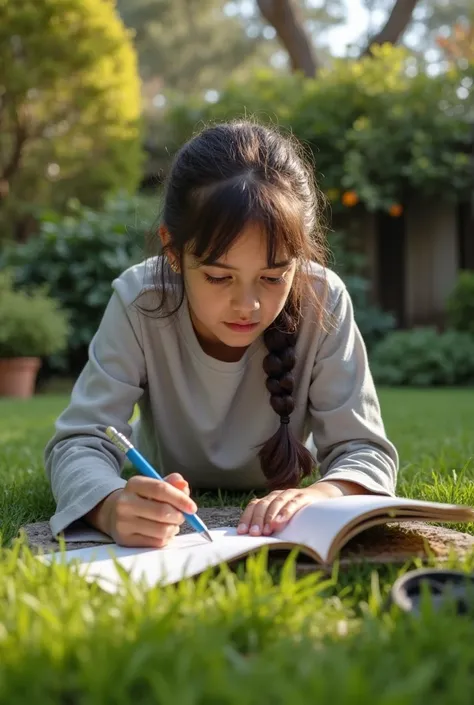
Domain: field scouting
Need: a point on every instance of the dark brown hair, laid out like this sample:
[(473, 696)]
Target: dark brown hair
[(225, 177)]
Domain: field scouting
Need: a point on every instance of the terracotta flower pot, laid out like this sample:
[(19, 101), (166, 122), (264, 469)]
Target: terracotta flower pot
[(18, 376)]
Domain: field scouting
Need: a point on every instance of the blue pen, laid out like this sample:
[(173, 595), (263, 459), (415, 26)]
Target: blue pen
[(146, 469)]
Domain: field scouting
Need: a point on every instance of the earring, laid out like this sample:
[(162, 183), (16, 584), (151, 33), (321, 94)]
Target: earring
[(174, 267)]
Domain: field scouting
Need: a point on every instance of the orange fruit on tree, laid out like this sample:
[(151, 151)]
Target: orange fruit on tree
[(395, 210), (350, 198)]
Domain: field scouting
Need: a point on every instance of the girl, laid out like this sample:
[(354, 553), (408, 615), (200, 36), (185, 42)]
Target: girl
[(238, 344)]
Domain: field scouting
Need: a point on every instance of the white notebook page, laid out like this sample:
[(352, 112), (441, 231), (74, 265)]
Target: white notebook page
[(315, 525), (185, 556), (318, 524)]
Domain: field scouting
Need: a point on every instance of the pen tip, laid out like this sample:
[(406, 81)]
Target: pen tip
[(207, 536)]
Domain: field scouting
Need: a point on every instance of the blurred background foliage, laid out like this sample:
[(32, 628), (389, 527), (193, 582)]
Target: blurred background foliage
[(70, 108), (96, 96), (370, 126)]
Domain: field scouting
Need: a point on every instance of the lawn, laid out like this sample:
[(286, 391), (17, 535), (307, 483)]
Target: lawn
[(247, 638)]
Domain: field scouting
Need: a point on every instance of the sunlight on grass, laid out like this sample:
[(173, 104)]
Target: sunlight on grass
[(10, 436), (230, 638), (227, 638), (432, 430)]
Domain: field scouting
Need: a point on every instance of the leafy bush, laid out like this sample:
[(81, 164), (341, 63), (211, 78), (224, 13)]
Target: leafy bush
[(70, 106), (374, 324), (78, 256), (423, 357), (372, 127), (460, 304), (31, 322)]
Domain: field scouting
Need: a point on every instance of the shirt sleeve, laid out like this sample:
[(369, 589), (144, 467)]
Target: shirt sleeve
[(82, 465), (346, 421)]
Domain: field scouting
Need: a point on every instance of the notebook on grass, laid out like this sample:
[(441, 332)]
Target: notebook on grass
[(319, 531)]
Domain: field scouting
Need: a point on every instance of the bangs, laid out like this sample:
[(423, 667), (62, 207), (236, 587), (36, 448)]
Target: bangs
[(221, 213)]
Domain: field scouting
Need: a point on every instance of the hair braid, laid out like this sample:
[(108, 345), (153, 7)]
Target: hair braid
[(283, 458)]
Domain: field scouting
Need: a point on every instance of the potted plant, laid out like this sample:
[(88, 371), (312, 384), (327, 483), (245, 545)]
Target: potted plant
[(32, 325)]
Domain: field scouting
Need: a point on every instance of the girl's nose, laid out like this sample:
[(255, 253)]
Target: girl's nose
[(246, 302)]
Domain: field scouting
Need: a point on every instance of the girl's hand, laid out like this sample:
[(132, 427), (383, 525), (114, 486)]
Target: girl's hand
[(273, 512), (147, 512)]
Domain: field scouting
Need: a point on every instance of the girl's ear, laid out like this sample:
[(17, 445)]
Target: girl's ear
[(164, 236), (166, 246)]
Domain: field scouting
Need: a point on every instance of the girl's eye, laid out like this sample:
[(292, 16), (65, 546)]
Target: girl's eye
[(274, 280), (215, 280), (221, 280)]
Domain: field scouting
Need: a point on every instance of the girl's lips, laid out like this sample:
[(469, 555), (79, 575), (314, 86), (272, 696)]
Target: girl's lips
[(242, 327)]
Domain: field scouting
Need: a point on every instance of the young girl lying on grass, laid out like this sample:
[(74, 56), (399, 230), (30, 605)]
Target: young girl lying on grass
[(239, 346)]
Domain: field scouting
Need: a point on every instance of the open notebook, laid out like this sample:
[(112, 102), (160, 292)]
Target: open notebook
[(319, 530)]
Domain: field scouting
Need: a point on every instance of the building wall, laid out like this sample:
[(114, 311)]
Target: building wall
[(431, 260), (427, 262)]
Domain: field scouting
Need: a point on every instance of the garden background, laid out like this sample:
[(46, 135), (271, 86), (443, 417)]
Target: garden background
[(95, 98)]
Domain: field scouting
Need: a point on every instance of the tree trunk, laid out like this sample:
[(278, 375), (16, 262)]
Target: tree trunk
[(395, 25), (285, 18)]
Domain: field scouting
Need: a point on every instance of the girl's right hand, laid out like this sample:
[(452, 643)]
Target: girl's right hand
[(147, 512)]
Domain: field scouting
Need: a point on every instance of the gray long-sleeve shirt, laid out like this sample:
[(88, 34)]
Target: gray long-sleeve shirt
[(206, 418)]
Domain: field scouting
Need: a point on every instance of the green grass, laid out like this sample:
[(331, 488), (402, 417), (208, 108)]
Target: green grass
[(250, 637)]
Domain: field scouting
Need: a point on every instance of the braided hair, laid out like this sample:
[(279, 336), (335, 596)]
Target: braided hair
[(284, 460), (226, 176)]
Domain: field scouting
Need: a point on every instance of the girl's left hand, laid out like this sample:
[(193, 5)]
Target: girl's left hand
[(273, 512)]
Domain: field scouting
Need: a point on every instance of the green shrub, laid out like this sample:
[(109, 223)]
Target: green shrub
[(78, 256), (31, 322), (425, 358), (71, 106), (460, 304), (373, 323), (371, 127)]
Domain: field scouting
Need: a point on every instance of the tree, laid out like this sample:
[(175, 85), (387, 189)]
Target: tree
[(186, 45), (416, 24), (377, 133), (437, 17), (285, 16), (459, 45), (69, 107), (193, 45), (430, 20), (395, 25)]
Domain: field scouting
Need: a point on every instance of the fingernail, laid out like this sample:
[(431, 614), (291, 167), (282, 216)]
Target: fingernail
[(279, 518), (267, 529), (242, 528), (192, 508), (255, 529)]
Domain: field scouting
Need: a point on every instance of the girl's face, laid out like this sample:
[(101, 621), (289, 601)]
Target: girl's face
[(234, 300)]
